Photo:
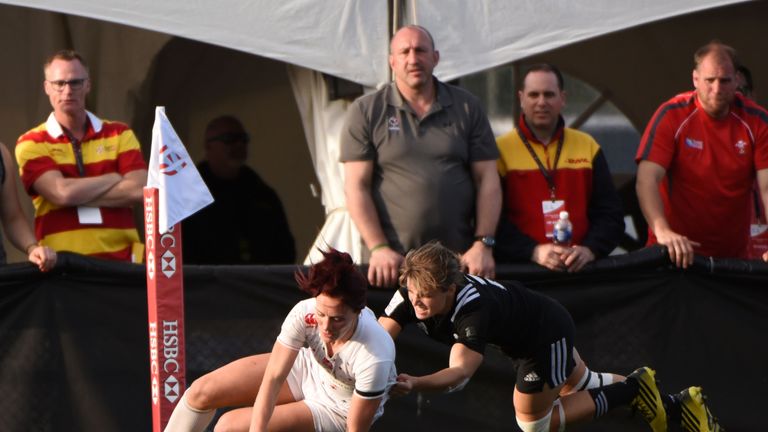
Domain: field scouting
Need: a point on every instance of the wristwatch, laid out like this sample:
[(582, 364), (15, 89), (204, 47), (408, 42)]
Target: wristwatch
[(488, 241)]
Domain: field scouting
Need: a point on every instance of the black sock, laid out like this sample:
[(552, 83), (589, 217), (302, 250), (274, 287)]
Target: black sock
[(613, 395), (672, 406)]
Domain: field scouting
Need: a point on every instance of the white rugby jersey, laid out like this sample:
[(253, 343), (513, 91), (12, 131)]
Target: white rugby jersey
[(365, 364)]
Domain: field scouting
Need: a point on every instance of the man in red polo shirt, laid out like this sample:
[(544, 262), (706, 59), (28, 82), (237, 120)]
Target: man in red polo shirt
[(698, 159)]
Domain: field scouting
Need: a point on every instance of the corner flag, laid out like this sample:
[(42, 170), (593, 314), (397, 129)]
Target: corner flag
[(181, 189), (174, 191)]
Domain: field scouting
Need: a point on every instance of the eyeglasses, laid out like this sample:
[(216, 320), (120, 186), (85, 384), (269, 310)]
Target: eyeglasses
[(231, 138), (74, 84)]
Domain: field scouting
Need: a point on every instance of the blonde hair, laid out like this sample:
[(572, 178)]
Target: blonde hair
[(431, 267), (66, 55)]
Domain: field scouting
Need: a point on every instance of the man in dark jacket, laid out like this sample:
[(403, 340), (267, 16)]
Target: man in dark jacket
[(246, 223)]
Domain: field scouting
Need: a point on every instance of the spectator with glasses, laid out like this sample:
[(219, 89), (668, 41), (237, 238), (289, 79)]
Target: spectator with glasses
[(246, 223), (83, 173)]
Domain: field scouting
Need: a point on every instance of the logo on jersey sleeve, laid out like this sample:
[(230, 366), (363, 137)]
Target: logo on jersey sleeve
[(396, 301), (309, 320)]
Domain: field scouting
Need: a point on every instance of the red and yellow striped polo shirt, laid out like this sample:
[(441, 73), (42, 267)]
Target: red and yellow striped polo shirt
[(108, 147)]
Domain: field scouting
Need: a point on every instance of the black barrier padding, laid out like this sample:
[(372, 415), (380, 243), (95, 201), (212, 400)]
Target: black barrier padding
[(74, 343)]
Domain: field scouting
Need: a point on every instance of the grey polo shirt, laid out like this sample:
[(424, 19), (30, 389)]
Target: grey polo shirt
[(422, 184)]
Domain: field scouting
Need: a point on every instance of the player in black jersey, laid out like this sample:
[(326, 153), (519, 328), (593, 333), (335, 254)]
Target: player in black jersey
[(554, 387)]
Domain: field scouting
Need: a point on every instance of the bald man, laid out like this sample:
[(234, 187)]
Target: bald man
[(698, 159), (420, 164)]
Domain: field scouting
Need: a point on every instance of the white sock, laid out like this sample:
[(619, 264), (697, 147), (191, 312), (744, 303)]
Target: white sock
[(591, 380), (187, 419)]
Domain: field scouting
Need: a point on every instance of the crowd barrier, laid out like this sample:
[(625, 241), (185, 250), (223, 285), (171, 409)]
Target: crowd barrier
[(74, 342)]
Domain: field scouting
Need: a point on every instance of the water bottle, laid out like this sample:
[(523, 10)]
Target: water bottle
[(563, 230)]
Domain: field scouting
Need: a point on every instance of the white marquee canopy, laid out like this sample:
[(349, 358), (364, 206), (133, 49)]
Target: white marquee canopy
[(349, 38)]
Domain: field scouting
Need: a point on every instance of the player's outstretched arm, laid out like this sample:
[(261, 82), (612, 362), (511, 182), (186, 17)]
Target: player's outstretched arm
[(361, 413), (462, 365), (280, 363)]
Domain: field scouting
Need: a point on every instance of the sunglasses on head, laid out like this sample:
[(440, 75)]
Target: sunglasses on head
[(231, 138)]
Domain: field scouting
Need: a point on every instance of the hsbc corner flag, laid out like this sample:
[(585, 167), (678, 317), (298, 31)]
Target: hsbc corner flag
[(174, 191), (171, 171)]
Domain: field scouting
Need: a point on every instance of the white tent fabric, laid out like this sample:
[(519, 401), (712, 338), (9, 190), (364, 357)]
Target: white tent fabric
[(479, 35), (345, 38), (323, 120), (349, 38)]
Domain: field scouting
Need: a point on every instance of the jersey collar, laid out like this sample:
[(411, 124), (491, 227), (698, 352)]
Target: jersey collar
[(522, 124), (55, 130), (442, 97)]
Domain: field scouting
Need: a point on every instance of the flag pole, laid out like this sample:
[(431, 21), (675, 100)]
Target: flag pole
[(165, 300), (174, 191)]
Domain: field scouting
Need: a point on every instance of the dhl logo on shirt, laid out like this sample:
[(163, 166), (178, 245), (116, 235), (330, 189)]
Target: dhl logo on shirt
[(577, 161)]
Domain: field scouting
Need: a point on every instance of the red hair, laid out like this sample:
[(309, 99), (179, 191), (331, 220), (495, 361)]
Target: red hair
[(335, 276)]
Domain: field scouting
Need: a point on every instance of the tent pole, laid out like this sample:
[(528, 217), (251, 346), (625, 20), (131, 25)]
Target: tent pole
[(69, 41), (591, 109), (396, 21), (516, 85)]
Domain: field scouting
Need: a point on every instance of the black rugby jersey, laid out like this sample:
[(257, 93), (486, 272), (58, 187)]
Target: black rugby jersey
[(484, 312)]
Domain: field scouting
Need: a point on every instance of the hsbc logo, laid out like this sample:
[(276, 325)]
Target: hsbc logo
[(154, 364), (168, 259), (151, 264), (172, 389), (168, 264), (171, 365), (171, 163), (149, 224)]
